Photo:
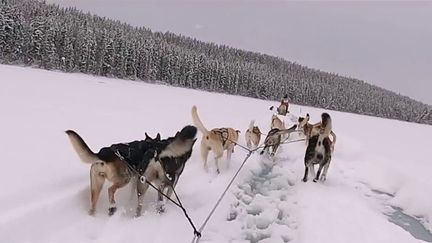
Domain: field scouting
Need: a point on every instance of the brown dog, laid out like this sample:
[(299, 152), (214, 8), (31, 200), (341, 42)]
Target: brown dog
[(217, 140)]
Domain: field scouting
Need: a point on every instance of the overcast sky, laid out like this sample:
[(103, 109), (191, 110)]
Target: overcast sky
[(384, 43)]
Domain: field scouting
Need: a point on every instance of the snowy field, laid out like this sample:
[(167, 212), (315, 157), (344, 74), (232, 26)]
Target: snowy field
[(378, 187)]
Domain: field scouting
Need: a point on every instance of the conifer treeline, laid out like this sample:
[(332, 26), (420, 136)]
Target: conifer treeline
[(47, 36)]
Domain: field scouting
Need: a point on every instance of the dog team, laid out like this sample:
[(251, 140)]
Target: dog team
[(161, 161)]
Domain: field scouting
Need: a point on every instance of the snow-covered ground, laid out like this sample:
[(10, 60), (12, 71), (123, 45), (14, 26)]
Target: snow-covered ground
[(380, 169)]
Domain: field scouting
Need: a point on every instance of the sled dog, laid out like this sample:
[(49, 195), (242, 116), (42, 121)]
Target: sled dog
[(311, 130), (274, 139), (276, 122), (155, 159), (319, 150), (252, 135), (167, 166), (282, 109), (216, 140)]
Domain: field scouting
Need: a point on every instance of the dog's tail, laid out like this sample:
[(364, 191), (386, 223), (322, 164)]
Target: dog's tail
[(197, 121), (81, 148), (289, 130), (251, 125), (334, 139)]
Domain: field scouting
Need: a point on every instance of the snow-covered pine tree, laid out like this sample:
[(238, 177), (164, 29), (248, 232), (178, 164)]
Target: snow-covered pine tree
[(38, 34)]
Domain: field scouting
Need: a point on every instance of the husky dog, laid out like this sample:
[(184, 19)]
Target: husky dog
[(311, 130), (119, 162), (168, 165), (252, 135), (304, 121), (282, 109), (276, 122), (308, 129), (319, 150), (274, 138), (217, 140)]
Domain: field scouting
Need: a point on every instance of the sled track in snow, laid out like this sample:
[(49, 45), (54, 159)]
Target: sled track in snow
[(262, 204)]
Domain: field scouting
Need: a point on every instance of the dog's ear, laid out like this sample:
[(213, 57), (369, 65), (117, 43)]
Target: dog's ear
[(158, 137), (147, 136), (237, 131)]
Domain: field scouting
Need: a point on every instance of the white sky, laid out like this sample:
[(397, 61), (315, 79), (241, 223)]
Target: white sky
[(384, 43)]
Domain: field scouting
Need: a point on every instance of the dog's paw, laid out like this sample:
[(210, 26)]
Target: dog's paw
[(218, 171), (304, 180), (91, 212), (323, 178), (112, 210), (138, 211), (315, 180), (160, 209)]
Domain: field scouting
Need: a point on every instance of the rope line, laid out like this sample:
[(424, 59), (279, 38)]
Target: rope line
[(195, 238), (196, 232), (143, 179)]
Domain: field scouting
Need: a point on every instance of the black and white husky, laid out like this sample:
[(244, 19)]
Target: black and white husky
[(319, 150)]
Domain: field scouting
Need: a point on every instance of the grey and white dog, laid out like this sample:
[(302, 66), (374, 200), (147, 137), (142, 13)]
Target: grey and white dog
[(274, 139)]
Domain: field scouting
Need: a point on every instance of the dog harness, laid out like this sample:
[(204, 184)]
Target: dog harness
[(223, 132), (137, 154)]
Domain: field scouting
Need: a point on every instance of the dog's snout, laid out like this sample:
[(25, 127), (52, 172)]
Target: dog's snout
[(319, 156)]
